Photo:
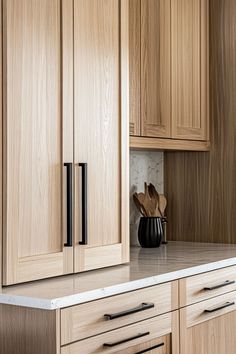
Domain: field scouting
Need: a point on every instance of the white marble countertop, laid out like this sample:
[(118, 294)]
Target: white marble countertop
[(147, 267)]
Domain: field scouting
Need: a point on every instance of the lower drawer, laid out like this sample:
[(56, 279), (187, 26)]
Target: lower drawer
[(161, 345), (208, 309), (130, 339), (97, 317)]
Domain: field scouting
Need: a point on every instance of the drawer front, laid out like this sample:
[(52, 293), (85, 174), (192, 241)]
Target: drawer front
[(208, 309), (127, 338), (86, 320), (159, 345), (204, 286)]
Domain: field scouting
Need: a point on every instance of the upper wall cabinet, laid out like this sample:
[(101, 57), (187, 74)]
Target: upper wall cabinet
[(189, 69), (65, 129), (169, 74)]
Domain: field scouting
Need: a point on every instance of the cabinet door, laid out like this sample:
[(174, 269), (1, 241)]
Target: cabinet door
[(101, 119), (155, 68), (210, 332), (189, 26), (134, 66), (33, 146)]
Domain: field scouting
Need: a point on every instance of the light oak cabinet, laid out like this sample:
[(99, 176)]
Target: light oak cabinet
[(133, 338), (208, 327), (208, 320), (65, 101), (101, 132), (169, 74), (34, 143), (141, 321)]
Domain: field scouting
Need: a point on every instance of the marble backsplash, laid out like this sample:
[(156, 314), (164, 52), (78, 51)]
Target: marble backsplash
[(145, 166)]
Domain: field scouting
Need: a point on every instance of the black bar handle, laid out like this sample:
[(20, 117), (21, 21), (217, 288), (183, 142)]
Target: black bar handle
[(227, 282), (144, 306), (69, 203), (126, 340), (227, 304), (151, 348), (84, 167)]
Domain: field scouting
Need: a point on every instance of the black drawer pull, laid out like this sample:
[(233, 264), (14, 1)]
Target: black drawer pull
[(69, 203), (227, 304), (144, 306), (84, 167), (126, 340), (151, 348), (227, 282)]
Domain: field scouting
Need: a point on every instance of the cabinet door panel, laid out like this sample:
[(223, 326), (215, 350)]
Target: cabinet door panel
[(134, 67), (101, 130), (210, 332), (155, 68), (216, 336), (189, 24), (33, 150)]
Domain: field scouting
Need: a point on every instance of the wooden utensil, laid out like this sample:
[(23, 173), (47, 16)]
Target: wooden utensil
[(162, 204), (155, 196), (139, 206)]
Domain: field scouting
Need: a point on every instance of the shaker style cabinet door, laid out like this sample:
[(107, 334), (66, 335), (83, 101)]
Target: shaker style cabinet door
[(36, 140), (155, 68), (101, 150), (134, 66), (189, 27)]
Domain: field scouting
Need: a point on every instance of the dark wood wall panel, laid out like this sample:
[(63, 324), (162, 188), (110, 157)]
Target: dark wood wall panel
[(201, 187)]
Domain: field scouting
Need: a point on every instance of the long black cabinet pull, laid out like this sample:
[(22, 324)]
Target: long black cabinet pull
[(227, 282), (151, 348), (84, 167), (69, 203), (126, 340), (144, 306), (227, 304)]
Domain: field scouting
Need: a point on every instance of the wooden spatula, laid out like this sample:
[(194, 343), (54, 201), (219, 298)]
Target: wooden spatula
[(155, 196), (139, 206), (162, 204)]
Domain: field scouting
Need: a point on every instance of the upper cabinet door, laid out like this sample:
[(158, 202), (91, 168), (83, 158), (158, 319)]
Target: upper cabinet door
[(34, 132), (189, 69), (101, 120), (155, 68), (134, 66)]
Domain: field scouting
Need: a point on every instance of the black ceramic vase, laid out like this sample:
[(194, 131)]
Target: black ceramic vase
[(150, 232)]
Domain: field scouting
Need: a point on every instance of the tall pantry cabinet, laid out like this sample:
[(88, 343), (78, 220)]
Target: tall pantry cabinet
[(65, 137)]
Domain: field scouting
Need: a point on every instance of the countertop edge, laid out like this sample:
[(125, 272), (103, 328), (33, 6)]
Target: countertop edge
[(96, 294)]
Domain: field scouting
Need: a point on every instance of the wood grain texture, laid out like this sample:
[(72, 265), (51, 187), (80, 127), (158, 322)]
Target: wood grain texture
[(191, 289), (201, 187), (27, 331), (155, 68), (101, 53), (165, 349), (215, 336), (157, 326), (189, 31), (144, 143), (135, 66), (76, 324), (1, 142), (196, 314), (33, 237)]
